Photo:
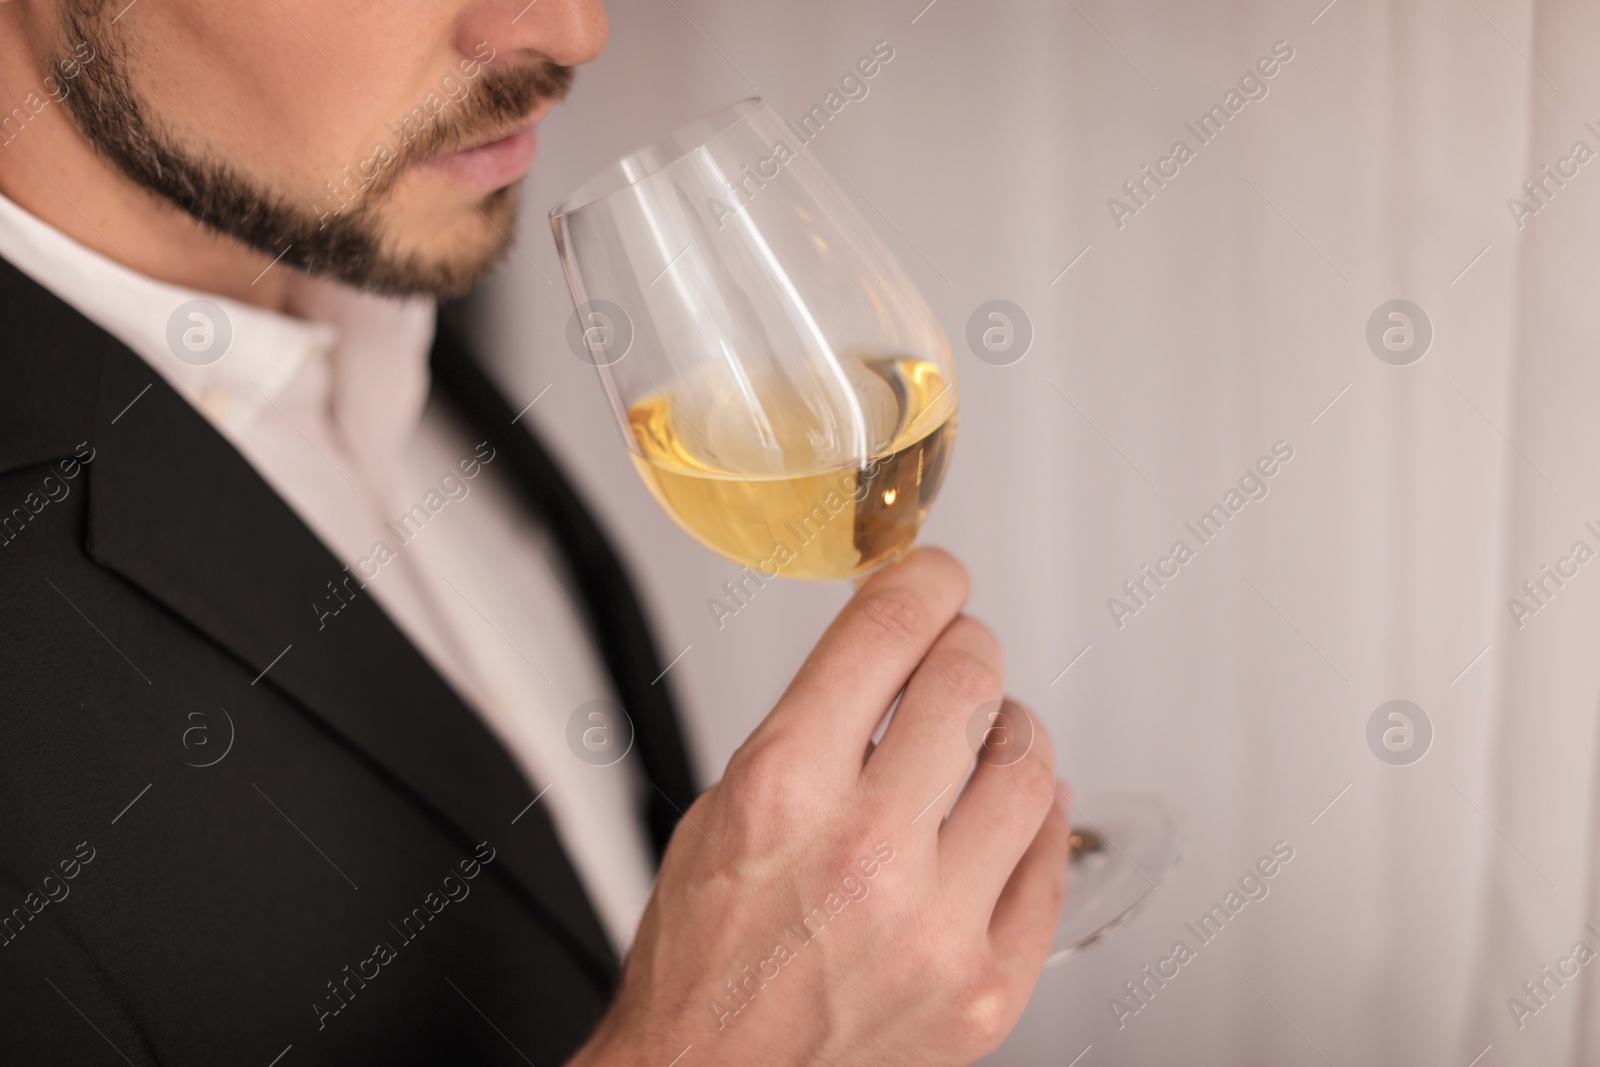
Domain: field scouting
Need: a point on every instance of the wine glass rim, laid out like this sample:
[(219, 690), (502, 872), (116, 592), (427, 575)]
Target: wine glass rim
[(643, 163)]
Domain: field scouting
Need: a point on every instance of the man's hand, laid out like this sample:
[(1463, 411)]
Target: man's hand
[(815, 906)]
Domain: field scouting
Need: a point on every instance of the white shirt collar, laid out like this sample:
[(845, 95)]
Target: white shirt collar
[(373, 380)]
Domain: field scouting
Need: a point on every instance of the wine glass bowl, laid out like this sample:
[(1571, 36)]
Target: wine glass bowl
[(783, 388)]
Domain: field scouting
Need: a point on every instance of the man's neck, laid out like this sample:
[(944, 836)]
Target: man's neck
[(49, 170)]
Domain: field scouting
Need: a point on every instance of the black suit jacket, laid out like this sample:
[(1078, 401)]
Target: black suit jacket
[(232, 831)]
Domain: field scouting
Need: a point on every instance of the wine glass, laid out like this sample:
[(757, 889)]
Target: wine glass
[(784, 389)]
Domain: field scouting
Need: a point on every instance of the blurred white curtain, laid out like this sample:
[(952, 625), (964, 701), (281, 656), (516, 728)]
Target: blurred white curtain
[(1228, 313)]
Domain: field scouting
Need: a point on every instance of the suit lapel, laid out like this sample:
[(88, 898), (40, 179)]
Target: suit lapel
[(175, 510)]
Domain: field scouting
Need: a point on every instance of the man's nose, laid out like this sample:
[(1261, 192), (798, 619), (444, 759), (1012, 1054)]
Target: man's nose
[(570, 32)]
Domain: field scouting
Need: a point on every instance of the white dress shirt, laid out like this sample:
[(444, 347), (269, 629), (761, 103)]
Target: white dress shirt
[(331, 407)]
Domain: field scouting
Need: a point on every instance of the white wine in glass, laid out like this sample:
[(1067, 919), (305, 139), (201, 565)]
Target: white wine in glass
[(817, 520)]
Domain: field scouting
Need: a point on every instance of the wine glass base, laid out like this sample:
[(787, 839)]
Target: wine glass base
[(1108, 885)]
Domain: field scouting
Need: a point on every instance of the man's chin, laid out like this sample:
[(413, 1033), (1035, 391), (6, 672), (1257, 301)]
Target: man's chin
[(443, 277), (441, 254)]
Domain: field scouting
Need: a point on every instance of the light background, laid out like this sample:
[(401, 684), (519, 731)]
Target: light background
[(1223, 317)]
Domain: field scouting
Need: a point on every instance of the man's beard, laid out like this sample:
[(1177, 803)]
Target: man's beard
[(343, 239)]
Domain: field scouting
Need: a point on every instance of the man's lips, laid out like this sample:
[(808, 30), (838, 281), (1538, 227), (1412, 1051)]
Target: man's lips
[(493, 164)]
